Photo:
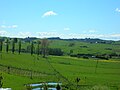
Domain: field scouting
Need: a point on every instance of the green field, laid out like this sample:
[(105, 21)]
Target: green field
[(107, 72), (63, 69)]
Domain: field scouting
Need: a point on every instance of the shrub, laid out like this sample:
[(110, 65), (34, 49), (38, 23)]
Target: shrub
[(55, 51), (71, 44)]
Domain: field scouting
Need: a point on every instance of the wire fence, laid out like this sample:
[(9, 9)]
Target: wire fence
[(23, 72), (60, 76)]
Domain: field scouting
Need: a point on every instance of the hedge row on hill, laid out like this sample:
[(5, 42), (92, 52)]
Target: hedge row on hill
[(103, 56)]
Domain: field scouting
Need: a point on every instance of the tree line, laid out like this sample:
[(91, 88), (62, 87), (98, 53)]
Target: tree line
[(40, 47)]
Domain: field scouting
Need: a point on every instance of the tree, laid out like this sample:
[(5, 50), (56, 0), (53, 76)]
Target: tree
[(38, 47), (1, 83), (71, 51), (19, 50), (71, 44), (1, 49), (1, 46), (13, 46), (28, 49), (77, 81), (15, 40), (7, 45), (44, 47), (32, 46)]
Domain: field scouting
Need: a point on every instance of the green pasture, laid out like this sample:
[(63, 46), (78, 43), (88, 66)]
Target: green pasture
[(15, 82), (77, 48), (94, 74), (90, 48), (107, 72)]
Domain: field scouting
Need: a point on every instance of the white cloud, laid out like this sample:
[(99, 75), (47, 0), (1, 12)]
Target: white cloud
[(3, 26), (10, 26), (78, 35), (42, 34), (101, 36), (67, 29), (50, 34), (117, 10), (49, 13), (115, 35), (61, 35), (92, 31), (14, 26), (24, 34), (3, 33)]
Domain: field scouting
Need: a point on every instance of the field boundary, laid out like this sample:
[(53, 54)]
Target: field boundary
[(22, 72), (60, 76)]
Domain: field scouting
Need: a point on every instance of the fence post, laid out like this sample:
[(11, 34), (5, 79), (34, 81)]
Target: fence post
[(1, 80), (8, 70), (31, 74)]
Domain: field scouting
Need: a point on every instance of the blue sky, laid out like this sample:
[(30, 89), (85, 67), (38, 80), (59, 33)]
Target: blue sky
[(60, 18)]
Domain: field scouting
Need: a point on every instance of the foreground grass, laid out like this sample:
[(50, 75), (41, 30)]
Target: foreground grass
[(15, 82), (107, 72)]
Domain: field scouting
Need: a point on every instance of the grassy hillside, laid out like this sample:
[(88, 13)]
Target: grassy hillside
[(78, 47), (93, 72), (107, 72), (85, 48), (15, 82)]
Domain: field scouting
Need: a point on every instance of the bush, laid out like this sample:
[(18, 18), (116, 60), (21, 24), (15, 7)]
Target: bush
[(71, 44), (55, 51), (73, 55), (85, 57), (102, 57)]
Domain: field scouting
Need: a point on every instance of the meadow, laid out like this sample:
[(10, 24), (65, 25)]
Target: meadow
[(65, 69)]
